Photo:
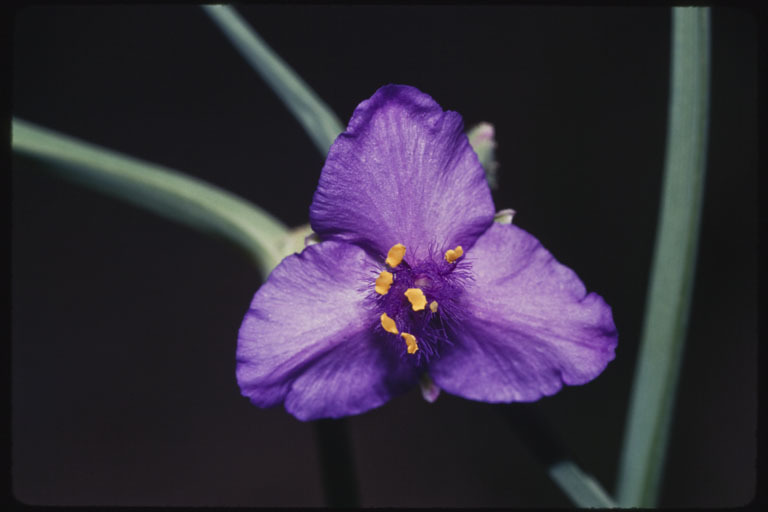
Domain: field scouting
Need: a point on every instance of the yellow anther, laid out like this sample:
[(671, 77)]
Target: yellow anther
[(452, 255), (410, 340), (388, 324), (383, 282), (395, 255), (433, 306), (416, 298)]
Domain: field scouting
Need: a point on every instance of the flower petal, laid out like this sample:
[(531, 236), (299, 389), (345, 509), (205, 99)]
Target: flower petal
[(359, 374), (402, 172), (530, 325), (308, 339)]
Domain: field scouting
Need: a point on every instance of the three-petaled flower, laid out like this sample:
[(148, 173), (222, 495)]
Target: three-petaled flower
[(412, 279)]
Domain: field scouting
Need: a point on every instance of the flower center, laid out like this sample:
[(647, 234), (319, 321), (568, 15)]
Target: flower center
[(418, 301)]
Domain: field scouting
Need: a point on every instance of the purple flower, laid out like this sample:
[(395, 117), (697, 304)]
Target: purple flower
[(413, 280)]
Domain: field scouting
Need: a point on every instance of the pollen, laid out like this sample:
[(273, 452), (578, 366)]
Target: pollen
[(388, 324), (383, 282), (395, 255), (433, 306), (410, 340), (452, 255), (416, 298)]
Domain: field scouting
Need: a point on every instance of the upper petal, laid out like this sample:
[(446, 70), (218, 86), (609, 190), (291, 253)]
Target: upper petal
[(309, 340), (402, 172), (530, 325)]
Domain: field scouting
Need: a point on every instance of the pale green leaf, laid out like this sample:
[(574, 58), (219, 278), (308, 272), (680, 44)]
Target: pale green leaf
[(674, 262), (319, 121), (157, 188)]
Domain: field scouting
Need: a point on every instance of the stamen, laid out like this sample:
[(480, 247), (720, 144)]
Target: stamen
[(388, 324), (452, 255), (395, 255), (383, 282), (416, 298), (410, 340), (433, 306)]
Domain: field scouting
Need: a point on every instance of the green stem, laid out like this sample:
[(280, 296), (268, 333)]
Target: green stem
[(320, 123), (337, 463), (159, 189), (674, 261)]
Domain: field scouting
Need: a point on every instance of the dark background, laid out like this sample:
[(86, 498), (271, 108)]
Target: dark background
[(125, 324)]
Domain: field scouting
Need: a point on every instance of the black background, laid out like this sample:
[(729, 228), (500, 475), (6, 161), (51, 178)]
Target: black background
[(124, 324)]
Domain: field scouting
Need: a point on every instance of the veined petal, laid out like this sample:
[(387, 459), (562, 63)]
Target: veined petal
[(308, 339), (354, 377), (530, 325), (403, 172)]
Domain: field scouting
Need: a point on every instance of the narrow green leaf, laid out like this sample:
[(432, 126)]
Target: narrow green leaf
[(316, 117), (674, 261), (583, 490), (159, 189)]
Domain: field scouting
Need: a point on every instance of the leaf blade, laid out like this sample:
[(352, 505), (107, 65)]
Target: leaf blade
[(318, 120), (674, 261), (157, 188)]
